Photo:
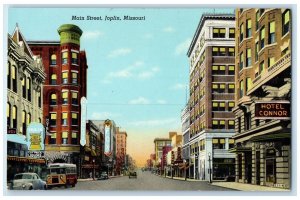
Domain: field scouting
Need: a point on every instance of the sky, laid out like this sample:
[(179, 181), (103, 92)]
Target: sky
[(138, 71)]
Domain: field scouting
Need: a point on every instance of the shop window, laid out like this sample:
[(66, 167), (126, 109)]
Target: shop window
[(219, 143), (272, 32), (262, 37), (52, 120), (28, 85), (231, 51), (64, 137), (74, 119), (271, 61), (53, 79), (52, 138), (74, 58), (74, 138), (248, 28), (230, 106), (74, 77), (231, 70), (248, 58), (75, 98), (231, 124), (231, 33), (65, 57), (23, 88), (285, 22), (64, 119), (241, 32), (241, 61), (65, 77), (53, 99), (53, 59), (65, 97), (15, 116), (219, 32), (14, 78)]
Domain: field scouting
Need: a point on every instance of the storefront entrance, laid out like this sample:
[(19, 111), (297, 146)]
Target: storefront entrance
[(270, 166), (257, 167)]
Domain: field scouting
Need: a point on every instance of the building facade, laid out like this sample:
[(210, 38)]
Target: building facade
[(185, 124), (263, 92), (212, 88), (159, 143), (66, 68), (121, 137), (25, 78)]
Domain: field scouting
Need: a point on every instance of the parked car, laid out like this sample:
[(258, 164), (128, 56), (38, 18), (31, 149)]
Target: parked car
[(132, 175), (28, 181), (103, 176), (230, 178)]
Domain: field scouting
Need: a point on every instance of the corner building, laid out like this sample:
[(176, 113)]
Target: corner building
[(66, 69), (262, 144), (212, 87)]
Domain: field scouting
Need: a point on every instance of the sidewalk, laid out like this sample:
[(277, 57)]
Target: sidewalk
[(180, 178), (248, 187), (91, 179)]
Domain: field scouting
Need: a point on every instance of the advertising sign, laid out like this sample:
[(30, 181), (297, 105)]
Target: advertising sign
[(272, 110), (35, 136), (107, 132), (83, 103)]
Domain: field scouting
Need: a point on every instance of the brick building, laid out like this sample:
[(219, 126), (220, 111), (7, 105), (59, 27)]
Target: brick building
[(121, 150), (212, 87), (66, 68), (263, 54)]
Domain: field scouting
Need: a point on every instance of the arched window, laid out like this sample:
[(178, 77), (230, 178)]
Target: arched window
[(39, 99), (8, 76), (53, 99), (14, 78), (14, 116), (8, 114), (28, 89), (53, 79), (24, 122), (53, 59), (28, 119), (24, 88)]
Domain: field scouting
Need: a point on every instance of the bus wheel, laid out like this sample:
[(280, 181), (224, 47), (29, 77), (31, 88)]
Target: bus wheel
[(66, 186), (73, 185)]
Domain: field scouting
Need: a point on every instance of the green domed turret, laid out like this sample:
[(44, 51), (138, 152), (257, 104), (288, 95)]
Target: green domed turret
[(69, 33)]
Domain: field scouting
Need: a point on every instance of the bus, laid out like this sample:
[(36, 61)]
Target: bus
[(61, 174)]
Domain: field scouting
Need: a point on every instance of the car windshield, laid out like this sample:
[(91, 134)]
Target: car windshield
[(23, 176)]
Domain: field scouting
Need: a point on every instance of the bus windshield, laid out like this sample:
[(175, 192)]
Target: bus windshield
[(57, 171)]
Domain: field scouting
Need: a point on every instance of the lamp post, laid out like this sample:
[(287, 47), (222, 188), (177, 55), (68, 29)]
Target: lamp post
[(184, 161), (93, 168), (209, 170)]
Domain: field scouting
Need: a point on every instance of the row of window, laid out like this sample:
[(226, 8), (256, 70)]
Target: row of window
[(220, 88), (223, 51), (221, 106), (221, 69), (64, 139), (220, 124), (64, 119), (219, 143), (64, 98), (65, 78), (64, 58), (221, 32)]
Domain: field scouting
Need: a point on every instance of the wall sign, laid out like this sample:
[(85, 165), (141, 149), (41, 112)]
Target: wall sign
[(83, 103), (35, 137), (272, 110)]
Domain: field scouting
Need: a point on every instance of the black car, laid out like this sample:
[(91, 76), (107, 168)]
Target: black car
[(103, 176), (132, 175)]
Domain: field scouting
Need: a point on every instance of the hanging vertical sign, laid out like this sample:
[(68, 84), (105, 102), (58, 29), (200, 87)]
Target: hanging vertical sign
[(107, 135), (35, 136), (83, 103)]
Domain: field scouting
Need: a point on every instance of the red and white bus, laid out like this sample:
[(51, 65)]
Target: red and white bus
[(61, 174)]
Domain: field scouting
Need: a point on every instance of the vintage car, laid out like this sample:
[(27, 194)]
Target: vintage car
[(103, 176), (132, 175), (28, 181)]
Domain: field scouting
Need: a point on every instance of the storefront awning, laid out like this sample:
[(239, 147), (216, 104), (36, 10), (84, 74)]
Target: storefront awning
[(240, 149), (273, 136), (25, 159)]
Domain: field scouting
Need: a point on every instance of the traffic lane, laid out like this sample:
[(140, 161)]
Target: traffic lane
[(147, 181)]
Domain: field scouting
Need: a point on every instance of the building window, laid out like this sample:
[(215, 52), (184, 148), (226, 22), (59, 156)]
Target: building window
[(248, 121), (241, 61), (65, 77), (65, 57), (241, 32), (53, 79), (261, 67), (285, 51), (256, 20), (230, 88), (28, 89), (64, 119), (230, 106), (53, 99), (241, 89), (219, 143), (231, 142), (74, 138), (218, 106), (52, 138), (8, 114), (74, 119), (271, 61), (24, 88), (256, 51), (219, 33), (231, 70), (53, 59), (219, 51), (248, 58), (262, 37), (218, 70), (239, 125), (248, 84), (15, 116), (231, 51), (65, 97), (231, 33), (218, 124), (64, 137), (39, 99), (74, 58), (28, 118), (74, 77), (248, 28), (24, 122), (272, 32), (75, 98), (218, 88), (14, 78), (52, 120), (230, 124), (285, 22), (257, 122), (8, 77)]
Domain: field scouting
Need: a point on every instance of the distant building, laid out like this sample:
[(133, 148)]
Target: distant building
[(185, 124), (121, 137), (159, 143)]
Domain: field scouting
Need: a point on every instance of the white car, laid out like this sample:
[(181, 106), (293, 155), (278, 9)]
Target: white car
[(28, 181)]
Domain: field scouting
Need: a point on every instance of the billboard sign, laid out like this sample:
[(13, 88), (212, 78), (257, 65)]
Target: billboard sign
[(83, 103), (107, 136), (272, 110), (35, 137)]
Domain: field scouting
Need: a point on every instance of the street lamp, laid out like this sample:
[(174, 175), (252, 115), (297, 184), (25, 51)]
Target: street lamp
[(209, 170), (93, 168), (184, 161)]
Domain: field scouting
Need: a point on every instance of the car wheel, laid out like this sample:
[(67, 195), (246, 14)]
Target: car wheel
[(30, 188)]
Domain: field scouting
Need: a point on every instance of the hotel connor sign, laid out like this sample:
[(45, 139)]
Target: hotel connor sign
[(272, 110)]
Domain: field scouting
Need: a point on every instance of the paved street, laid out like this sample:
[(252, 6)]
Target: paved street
[(144, 181)]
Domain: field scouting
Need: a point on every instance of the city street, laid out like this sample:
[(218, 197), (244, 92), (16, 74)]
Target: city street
[(145, 181)]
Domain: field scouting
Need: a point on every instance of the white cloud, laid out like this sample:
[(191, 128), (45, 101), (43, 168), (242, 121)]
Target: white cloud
[(161, 101), (92, 34), (179, 86), (182, 48), (148, 36), (125, 73), (139, 100), (148, 74), (154, 122), (119, 52), (169, 29), (104, 115)]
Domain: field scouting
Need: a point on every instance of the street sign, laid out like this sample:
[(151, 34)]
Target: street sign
[(36, 154), (35, 136), (83, 103)]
